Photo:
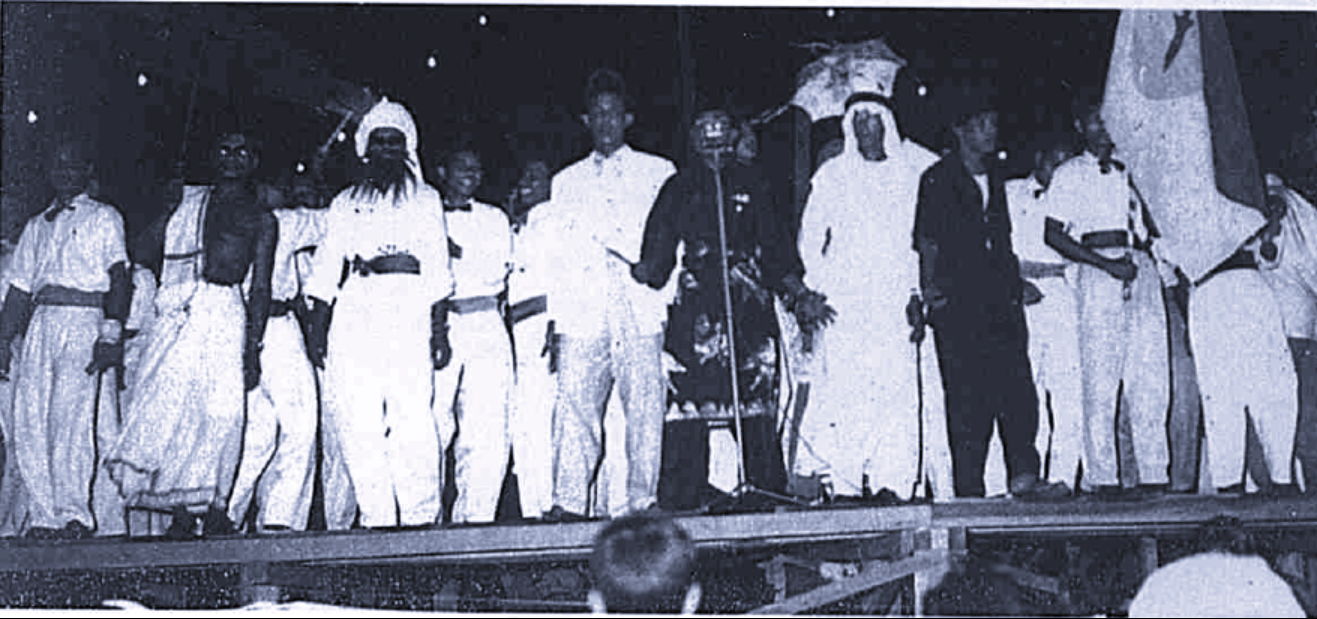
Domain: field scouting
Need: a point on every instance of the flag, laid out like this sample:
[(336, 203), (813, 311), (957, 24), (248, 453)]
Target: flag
[(1175, 110)]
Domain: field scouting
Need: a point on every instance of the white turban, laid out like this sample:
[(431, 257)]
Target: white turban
[(387, 114)]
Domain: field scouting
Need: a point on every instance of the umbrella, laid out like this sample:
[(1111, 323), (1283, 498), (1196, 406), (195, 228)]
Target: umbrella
[(845, 68)]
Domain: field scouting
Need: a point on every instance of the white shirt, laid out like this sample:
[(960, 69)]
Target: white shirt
[(601, 205), (485, 238), (982, 181), (76, 250), (531, 246), (1086, 200), (373, 227), (1029, 215), (299, 229)]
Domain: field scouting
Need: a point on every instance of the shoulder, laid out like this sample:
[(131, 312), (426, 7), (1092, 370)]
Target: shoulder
[(921, 158), (571, 171), (1074, 167), (1018, 185), (101, 209), (939, 171), (650, 162), (426, 192), (491, 213)]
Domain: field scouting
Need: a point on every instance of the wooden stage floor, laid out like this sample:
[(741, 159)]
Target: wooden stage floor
[(503, 543)]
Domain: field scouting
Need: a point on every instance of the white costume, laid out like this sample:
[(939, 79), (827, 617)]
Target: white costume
[(471, 392), (611, 325), (378, 371), (13, 495), (182, 432), (536, 390), (1121, 340), (1293, 274), (141, 315), (55, 400), (1293, 279), (1053, 336), (863, 417), (1245, 370), (279, 441)]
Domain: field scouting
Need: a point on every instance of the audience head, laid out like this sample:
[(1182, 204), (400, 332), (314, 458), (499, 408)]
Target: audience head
[(644, 563)]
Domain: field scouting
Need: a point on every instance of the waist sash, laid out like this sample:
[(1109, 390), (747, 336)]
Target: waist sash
[(68, 297), (1112, 238), (528, 308), (471, 305), (382, 265)]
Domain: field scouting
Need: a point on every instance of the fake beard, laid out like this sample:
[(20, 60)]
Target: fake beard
[(384, 177)]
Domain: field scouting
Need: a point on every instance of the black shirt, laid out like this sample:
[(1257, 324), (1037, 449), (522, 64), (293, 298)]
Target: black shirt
[(976, 267)]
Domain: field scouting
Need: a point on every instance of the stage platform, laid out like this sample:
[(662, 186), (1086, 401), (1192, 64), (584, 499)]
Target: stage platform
[(926, 535)]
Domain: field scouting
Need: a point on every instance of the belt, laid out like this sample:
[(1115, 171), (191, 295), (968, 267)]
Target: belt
[(1041, 270), (533, 306), (392, 263), (281, 308), (1238, 261), (70, 297), (471, 305), (1112, 238)]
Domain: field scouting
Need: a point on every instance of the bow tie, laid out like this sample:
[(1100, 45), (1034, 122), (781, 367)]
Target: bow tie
[(1107, 166), (56, 210), (465, 206)]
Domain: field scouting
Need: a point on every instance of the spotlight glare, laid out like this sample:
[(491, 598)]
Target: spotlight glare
[(301, 167), (1001, 155), (32, 117), (923, 90), (141, 79), (432, 62), (831, 13), (342, 137), (483, 19)]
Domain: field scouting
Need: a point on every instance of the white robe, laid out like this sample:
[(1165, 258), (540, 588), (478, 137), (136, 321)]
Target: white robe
[(863, 417), (183, 431)]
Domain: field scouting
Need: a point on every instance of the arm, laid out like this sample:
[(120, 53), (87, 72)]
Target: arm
[(659, 249), (1056, 238), (781, 264), (258, 299), (925, 242), (18, 303)]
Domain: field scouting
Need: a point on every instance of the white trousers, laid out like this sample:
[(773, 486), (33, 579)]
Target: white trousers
[(55, 415), (471, 409), (380, 379), (531, 417), (609, 491), (13, 494), (340, 500), (1244, 371), (1124, 341), (279, 441), (592, 364), (1054, 357)]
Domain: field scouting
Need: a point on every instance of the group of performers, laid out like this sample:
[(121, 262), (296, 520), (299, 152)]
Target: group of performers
[(197, 380)]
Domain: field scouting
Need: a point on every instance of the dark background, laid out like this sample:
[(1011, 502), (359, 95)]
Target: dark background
[(512, 82)]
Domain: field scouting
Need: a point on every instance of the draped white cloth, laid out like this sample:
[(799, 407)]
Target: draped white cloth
[(863, 417)]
